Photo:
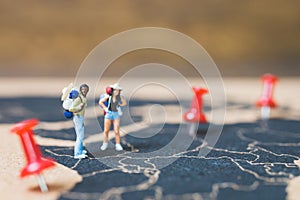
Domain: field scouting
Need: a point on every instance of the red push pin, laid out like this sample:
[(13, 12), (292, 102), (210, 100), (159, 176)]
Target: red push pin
[(35, 162), (266, 101), (195, 115)]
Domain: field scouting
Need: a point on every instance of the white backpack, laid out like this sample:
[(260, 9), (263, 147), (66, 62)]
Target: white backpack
[(66, 100)]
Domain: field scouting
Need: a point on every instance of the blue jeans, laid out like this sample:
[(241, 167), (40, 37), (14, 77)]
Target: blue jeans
[(79, 129)]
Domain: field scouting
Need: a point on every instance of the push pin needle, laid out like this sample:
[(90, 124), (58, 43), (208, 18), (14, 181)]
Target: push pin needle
[(42, 183)]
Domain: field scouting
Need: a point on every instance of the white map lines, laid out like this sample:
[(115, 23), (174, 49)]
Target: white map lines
[(249, 161)]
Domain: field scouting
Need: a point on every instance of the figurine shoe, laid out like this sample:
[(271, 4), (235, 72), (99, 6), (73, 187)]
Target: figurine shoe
[(81, 156), (119, 147), (104, 146)]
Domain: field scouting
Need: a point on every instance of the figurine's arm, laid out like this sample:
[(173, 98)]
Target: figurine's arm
[(101, 103), (76, 106), (123, 101)]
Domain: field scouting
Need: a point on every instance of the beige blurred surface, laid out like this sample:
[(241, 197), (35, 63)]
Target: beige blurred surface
[(244, 37), (238, 92), (293, 186)]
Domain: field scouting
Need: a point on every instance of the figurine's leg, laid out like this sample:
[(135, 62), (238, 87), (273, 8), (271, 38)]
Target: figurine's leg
[(79, 129), (117, 133), (117, 130), (107, 124)]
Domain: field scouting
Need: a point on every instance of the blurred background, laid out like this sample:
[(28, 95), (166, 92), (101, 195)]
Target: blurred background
[(244, 38)]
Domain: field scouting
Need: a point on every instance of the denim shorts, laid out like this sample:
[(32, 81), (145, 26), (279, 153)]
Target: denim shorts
[(112, 115)]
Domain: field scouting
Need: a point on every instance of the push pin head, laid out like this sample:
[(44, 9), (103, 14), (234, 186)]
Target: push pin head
[(199, 90), (26, 125)]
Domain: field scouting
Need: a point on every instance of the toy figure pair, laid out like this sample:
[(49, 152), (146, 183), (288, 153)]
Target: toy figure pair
[(111, 103)]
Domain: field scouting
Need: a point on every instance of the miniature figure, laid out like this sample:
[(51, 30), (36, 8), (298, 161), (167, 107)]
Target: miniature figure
[(113, 113), (78, 109)]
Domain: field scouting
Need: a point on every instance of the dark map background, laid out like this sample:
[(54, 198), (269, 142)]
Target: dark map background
[(251, 160)]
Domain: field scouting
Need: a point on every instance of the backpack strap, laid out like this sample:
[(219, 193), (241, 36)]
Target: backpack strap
[(109, 102), (80, 98)]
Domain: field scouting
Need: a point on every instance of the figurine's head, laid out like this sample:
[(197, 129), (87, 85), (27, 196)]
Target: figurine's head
[(116, 88), (84, 89)]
